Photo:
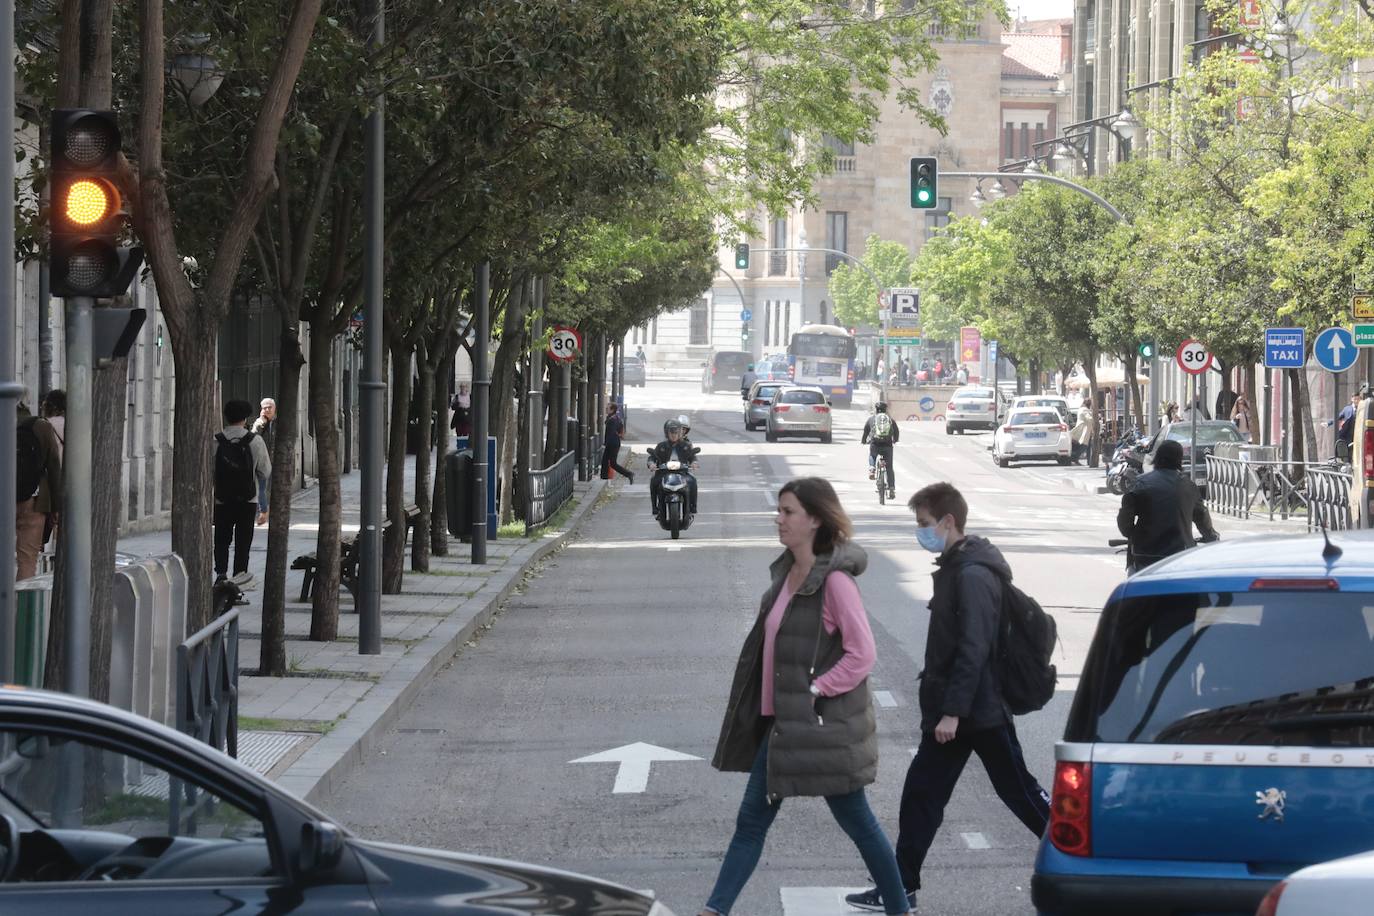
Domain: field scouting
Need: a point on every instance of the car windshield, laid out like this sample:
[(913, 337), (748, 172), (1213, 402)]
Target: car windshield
[(1039, 417), (1209, 434), (1251, 668), (802, 396)]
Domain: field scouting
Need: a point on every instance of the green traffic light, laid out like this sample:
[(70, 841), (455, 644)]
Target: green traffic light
[(923, 195)]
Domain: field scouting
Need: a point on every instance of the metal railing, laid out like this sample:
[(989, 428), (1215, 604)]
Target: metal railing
[(550, 489), (1328, 498), (590, 463), (208, 684), (1242, 487)]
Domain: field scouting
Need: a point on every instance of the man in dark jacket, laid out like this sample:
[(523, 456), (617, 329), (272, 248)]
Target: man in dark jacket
[(610, 444), (962, 711), (881, 433), (1158, 513), (675, 445)]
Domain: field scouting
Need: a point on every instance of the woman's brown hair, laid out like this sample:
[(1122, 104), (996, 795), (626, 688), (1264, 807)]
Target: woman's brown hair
[(820, 501)]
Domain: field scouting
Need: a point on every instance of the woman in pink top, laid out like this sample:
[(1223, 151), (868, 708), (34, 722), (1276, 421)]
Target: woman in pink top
[(800, 718)]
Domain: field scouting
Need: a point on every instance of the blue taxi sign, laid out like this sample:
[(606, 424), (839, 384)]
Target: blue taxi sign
[(1285, 348)]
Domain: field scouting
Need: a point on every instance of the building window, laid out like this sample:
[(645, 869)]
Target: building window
[(939, 217), (836, 237), (653, 331), (1025, 140), (698, 326), (768, 323), (777, 260), (1010, 142)]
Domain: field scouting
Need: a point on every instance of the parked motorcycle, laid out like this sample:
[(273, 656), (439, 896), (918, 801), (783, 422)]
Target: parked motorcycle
[(1127, 463), (674, 478)]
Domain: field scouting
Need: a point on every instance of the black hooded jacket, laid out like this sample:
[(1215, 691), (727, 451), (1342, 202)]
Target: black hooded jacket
[(965, 610), (1158, 513)]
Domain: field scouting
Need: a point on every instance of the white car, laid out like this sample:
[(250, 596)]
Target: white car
[(1034, 433), (1336, 888), (1044, 400), (973, 407)]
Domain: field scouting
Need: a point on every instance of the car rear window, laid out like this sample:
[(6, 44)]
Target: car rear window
[(983, 394), (766, 391), (1032, 418), (1248, 668), (802, 397), (1210, 434), (733, 362)]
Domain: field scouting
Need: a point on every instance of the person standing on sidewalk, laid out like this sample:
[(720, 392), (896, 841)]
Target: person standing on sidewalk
[(800, 717), (38, 488), (242, 467), (610, 451), (962, 710)]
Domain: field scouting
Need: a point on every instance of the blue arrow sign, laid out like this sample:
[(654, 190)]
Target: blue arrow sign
[(1335, 350), (1285, 348), (745, 315)]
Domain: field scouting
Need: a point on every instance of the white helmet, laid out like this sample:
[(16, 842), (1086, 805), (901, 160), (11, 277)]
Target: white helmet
[(686, 426)]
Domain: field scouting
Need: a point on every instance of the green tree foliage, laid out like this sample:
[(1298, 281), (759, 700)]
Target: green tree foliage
[(851, 287)]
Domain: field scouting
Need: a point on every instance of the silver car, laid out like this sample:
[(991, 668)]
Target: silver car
[(798, 411), (973, 407), (757, 402)]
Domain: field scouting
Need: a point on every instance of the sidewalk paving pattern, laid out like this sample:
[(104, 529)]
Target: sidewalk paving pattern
[(307, 729)]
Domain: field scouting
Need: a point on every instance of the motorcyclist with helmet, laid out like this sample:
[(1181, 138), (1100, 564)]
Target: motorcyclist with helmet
[(881, 433), (674, 445)]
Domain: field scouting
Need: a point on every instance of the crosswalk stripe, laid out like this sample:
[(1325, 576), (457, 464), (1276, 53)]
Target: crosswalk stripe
[(884, 698), (976, 841), (816, 901)]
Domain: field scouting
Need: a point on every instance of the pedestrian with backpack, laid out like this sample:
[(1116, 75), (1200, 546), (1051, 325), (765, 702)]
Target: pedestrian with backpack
[(38, 488), (976, 615), (242, 469), (880, 434)]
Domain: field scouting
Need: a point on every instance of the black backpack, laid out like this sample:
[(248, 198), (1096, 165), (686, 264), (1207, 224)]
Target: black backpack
[(29, 463), (234, 477), (1025, 644)]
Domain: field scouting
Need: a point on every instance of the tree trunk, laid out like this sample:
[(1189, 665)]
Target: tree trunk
[(394, 543), (1065, 370), (1302, 417), (193, 484), (1132, 371), (419, 545), (109, 397), (1094, 447), (324, 606), (438, 512), (507, 469), (286, 433)]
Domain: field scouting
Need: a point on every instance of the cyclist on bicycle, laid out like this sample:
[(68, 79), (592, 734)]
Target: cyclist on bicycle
[(881, 433)]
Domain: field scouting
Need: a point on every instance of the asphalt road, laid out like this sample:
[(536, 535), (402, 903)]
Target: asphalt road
[(626, 636)]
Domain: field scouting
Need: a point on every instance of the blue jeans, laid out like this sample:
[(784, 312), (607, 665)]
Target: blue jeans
[(756, 816)]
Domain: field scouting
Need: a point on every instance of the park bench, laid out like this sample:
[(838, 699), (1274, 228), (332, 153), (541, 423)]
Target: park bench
[(348, 564)]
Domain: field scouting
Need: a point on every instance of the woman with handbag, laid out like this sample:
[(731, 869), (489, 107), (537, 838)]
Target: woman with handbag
[(1241, 416), (800, 717)]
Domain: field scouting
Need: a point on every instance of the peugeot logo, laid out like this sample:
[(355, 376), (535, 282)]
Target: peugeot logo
[(1273, 801)]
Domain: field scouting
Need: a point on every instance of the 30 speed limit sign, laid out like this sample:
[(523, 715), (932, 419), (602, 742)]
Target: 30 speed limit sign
[(565, 344), (1193, 357)]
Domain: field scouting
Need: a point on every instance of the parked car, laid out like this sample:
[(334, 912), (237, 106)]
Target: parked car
[(973, 407), (634, 370), (757, 403), (1059, 403), (1219, 737), (1210, 434), (773, 369), (724, 370), (170, 825), (798, 411), (1329, 889), (1032, 433)]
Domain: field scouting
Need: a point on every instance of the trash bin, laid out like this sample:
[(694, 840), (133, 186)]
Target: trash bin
[(31, 629), (458, 493)]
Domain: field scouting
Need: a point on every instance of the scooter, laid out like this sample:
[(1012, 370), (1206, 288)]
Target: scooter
[(1128, 462), (675, 496)]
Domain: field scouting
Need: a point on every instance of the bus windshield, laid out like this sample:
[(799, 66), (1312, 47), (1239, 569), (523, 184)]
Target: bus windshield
[(835, 346)]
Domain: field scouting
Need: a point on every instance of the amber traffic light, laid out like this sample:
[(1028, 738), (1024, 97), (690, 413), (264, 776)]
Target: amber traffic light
[(86, 258)]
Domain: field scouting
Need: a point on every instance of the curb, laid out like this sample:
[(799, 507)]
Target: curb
[(335, 755)]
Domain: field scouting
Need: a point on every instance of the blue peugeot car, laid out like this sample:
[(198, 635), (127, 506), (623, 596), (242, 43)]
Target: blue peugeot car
[(1222, 733)]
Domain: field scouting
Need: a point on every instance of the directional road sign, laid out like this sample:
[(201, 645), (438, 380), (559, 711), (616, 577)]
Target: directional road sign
[(745, 315), (1334, 350), (1192, 357), (1285, 348), (906, 307), (1362, 305), (899, 341), (1364, 335)]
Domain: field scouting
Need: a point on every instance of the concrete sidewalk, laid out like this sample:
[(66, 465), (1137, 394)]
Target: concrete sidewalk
[(308, 729)]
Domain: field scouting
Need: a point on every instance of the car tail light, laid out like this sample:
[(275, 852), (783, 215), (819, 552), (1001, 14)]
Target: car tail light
[(992, 407), (820, 408), (851, 376), (1369, 452), (760, 402), (1295, 585), (713, 370), (1012, 429), (1063, 427), (1269, 906), (780, 408), (1071, 808)]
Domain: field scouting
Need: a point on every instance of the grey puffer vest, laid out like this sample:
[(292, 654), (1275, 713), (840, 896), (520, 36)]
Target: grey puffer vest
[(829, 750)]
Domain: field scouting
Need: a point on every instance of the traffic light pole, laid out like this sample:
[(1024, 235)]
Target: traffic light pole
[(1052, 179), (481, 404), (76, 499)]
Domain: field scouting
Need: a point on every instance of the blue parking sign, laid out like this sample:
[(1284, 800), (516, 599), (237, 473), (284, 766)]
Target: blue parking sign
[(1285, 348)]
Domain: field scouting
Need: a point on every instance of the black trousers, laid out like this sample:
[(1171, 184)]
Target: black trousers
[(609, 454), (885, 449), (930, 782), (234, 524)]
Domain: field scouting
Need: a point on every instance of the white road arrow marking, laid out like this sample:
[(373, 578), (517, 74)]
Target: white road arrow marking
[(1336, 346), (634, 760)]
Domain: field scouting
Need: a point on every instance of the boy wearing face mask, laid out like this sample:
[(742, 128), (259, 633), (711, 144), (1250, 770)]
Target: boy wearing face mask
[(962, 710)]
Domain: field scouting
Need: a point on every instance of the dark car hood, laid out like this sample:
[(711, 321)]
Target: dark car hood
[(415, 879)]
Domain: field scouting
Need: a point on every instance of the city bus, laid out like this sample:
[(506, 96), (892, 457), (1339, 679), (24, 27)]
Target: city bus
[(823, 355)]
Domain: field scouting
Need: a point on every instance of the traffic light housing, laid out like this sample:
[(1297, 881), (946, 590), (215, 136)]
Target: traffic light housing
[(925, 174), (1146, 349), (742, 256), (85, 257)]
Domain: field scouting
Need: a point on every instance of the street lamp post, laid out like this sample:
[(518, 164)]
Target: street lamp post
[(801, 269)]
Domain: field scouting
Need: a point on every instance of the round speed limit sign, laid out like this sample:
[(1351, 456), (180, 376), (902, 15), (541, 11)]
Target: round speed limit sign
[(1192, 357), (565, 344)]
